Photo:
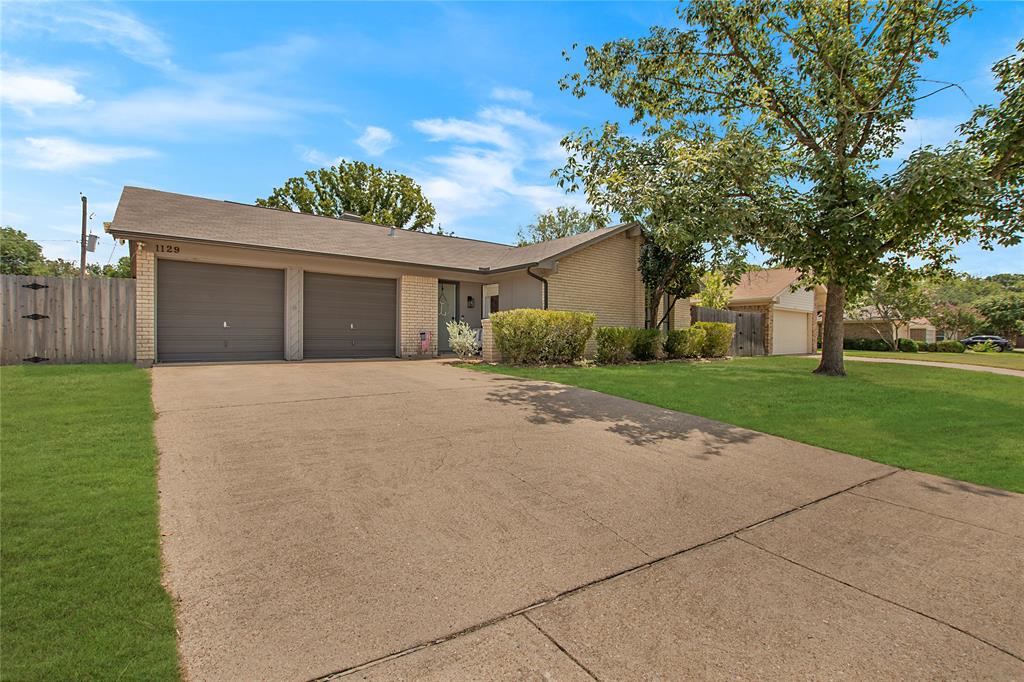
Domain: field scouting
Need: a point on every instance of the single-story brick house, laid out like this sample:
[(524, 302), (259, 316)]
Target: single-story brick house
[(790, 311), (870, 325), (221, 281)]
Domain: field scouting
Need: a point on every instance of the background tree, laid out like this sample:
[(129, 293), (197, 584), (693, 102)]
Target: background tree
[(1004, 313), (958, 321), (556, 223), (123, 268), (357, 188), (715, 290), (19, 255), (792, 104), (889, 305)]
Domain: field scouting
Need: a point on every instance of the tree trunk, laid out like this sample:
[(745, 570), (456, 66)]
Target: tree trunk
[(832, 332)]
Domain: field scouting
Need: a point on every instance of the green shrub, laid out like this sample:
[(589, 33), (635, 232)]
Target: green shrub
[(880, 345), (985, 347), (949, 346), (852, 344), (717, 339), (929, 347), (462, 339), (646, 343), (615, 344), (685, 343), (907, 345), (529, 336)]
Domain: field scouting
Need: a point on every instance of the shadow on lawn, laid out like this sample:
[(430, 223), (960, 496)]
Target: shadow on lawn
[(950, 486), (637, 423)]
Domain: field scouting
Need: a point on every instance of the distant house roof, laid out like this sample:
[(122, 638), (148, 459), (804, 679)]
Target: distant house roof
[(871, 314), (147, 213), (761, 285)]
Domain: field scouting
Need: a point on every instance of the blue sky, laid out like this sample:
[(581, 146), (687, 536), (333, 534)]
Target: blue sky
[(227, 100)]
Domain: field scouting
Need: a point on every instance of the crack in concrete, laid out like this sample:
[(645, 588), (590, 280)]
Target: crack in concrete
[(344, 672), (203, 408), (881, 598), (931, 513), (561, 648)]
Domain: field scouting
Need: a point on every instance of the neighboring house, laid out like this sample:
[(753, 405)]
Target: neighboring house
[(869, 325), (218, 280), (790, 311)]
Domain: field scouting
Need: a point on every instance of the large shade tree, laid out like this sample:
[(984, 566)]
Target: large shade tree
[(563, 221), (790, 106), (356, 188)]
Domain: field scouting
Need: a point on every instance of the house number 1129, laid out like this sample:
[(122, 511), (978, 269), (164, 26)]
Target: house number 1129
[(167, 248)]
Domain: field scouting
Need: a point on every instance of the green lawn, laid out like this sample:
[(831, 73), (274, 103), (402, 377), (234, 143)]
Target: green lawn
[(80, 593), (964, 425), (1014, 360)]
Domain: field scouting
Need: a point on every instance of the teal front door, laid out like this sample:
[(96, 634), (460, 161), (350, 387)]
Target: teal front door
[(447, 311)]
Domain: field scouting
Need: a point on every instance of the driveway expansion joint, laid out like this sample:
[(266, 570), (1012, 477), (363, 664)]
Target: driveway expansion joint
[(881, 598), (931, 513), (351, 670), (561, 648)]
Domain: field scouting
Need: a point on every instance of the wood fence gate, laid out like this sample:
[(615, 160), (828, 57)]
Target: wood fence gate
[(749, 336), (64, 320)]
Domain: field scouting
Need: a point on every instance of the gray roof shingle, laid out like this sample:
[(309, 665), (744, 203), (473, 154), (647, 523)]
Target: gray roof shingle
[(152, 213)]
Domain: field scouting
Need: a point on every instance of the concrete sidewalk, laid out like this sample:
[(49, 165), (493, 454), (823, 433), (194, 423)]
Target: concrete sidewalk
[(926, 363), (412, 520)]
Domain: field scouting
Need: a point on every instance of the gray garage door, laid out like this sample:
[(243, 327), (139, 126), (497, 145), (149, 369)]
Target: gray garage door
[(348, 317), (218, 312)]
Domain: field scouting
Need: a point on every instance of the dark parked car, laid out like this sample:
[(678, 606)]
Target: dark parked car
[(999, 341)]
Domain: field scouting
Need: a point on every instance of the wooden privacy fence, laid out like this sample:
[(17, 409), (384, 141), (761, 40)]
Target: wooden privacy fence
[(62, 320), (749, 337)]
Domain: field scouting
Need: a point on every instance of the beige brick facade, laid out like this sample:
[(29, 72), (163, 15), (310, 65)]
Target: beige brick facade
[(293, 288), (601, 279), (489, 350), (417, 312), (145, 305)]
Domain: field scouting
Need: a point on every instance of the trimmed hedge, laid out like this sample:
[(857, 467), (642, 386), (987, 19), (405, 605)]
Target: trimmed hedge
[(529, 337), (907, 345), (929, 347), (950, 346), (615, 344), (685, 343), (646, 343), (717, 339), (866, 344)]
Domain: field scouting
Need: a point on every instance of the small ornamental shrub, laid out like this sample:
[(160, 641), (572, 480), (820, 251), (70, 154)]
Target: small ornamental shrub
[(949, 346), (907, 345), (718, 338), (985, 347), (462, 339), (853, 344), (929, 347), (685, 343), (646, 343), (529, 336), (880, 345), (615, 344)]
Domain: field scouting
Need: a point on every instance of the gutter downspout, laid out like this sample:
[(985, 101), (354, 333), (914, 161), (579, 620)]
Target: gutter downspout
[(541, 280)]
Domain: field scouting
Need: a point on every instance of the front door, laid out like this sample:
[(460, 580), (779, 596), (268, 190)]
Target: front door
[(447, 311)]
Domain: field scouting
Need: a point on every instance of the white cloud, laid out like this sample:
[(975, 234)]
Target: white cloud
[(60, 153), (27, 91), (493, 161), (376, 140), (95, 25), (461, 130), (318, 158), (506, 94), (934, 131)]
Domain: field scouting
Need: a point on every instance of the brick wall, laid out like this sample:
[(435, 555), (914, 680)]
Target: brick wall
[(417, 305), (489, 350), (601, 279), (145, 302)]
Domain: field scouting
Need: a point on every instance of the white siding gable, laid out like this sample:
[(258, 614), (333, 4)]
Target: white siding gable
[(796, 300)]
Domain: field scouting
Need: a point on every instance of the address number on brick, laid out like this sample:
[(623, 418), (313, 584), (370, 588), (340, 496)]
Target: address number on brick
[(167, 248)]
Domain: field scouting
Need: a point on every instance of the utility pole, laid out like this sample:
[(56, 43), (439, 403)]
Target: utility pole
[(85, 214)]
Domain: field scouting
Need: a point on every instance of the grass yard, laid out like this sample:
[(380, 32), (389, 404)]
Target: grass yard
[(1014, 360), (964, 425), (80, 573)]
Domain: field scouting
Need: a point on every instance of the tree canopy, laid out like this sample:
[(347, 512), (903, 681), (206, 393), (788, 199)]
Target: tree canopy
[(356, 188), (562, 221), (767, 119), (19, 255)]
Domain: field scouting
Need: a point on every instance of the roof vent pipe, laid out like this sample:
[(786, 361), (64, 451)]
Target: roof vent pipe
[(391, 232)]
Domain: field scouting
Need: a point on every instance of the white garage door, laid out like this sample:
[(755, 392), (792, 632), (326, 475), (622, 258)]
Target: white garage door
[(789, 333)]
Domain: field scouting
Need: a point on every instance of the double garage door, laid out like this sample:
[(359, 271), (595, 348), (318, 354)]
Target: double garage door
[(209, 312)]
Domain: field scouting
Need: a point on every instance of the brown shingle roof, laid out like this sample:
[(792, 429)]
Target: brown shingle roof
[(764, 284), (152, 213)]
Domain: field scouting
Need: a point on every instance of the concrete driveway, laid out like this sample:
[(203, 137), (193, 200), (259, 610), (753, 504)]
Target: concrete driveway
[(405, 520)]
